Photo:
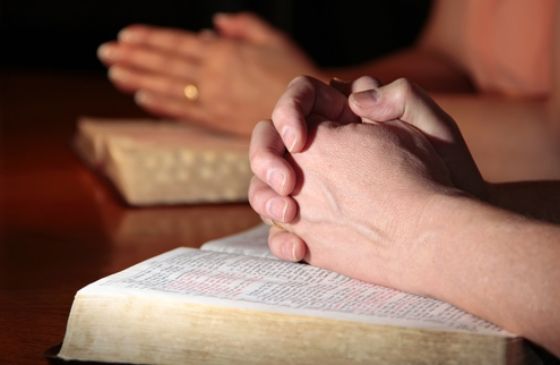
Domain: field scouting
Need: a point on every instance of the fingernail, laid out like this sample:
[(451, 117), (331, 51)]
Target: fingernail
[(365, 98), (220, 16), (276, 179), (105, 52), (130, 36), (141, 97), (288, 251), (116, 73), (207, 34), (294, 257), (289, 137), (277, 207)]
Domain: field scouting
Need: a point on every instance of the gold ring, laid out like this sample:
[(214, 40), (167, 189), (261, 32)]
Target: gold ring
[(191, 92)]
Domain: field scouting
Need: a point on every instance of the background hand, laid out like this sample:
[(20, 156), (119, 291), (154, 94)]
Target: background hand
[(239, 72)]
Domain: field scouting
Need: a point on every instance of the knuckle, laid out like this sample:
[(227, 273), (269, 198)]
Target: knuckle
[(169, 88), (257, 160), (253, 189), (278, 114), (302, 79), (404, 87), (137, 28), (407, 89), (258, 202), (274, 243), (226, 49), (184, 43), (368, 80), (160, 62), (178, 68), (246, 16), (287, 112)]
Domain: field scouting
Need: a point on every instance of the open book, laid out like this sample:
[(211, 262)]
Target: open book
[(153, 163), (233, 302)]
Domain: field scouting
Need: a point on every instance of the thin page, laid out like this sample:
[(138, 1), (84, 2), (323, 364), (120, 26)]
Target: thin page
[(240, 281), (252, 242)]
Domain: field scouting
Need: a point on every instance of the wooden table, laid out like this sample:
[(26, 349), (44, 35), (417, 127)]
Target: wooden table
[(61, 227)]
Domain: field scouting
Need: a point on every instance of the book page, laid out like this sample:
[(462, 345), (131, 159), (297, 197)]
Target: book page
[(240, 281), (252, 242)]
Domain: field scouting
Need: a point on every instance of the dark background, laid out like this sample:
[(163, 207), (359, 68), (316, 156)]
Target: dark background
[(64, 34)]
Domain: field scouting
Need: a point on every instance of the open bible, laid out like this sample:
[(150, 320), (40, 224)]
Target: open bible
[(233, 302)]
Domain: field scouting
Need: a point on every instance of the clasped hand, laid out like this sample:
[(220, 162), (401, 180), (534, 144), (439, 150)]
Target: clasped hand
[(352, 173), (230, 67)]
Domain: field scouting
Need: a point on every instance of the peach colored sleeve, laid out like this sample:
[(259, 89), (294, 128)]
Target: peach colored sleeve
[(556, 66), (508, 45)]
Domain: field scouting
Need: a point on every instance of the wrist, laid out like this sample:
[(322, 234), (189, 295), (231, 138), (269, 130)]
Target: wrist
[(438, 230)]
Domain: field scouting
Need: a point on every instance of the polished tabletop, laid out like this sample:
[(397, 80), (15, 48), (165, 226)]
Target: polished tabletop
[(61, 225)]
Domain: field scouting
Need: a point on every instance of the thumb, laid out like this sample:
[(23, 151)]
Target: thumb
[(405, 101), (246, 26)]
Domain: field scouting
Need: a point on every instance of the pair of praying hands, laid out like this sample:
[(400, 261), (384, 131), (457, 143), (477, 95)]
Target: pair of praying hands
[(354, 175), (214, 78)]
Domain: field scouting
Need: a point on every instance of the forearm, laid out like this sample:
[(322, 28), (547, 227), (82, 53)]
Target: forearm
[(427, 68), (511, 140), (500, 266)]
